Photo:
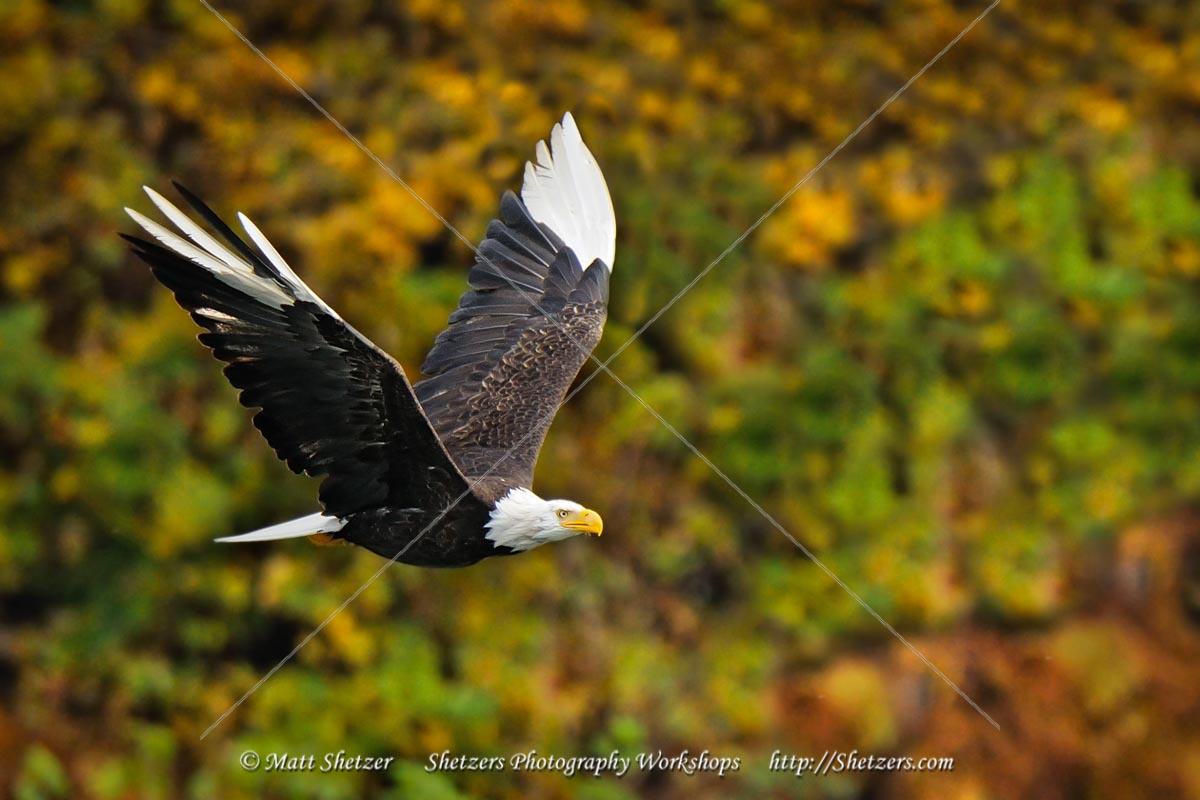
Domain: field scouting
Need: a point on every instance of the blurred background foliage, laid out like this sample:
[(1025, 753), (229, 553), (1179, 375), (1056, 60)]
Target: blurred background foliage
[(960, 364)]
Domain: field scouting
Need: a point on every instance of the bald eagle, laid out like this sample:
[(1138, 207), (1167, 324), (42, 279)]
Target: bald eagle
[(397, 455)]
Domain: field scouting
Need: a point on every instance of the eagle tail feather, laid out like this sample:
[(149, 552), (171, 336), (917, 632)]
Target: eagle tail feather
[(292, 529)]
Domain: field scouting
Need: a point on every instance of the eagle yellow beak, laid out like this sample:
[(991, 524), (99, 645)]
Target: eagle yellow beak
[(585, 521)]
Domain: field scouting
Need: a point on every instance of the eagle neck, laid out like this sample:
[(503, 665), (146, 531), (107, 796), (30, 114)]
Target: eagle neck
[(520, 520)]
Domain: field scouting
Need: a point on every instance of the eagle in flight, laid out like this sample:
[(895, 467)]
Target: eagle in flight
[(441, 471)]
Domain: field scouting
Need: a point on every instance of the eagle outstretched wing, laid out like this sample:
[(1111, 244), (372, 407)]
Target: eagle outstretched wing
[(536, 308), (332, 403)]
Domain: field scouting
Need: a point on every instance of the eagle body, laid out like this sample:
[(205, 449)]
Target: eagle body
[(437, 473), (455, 540)]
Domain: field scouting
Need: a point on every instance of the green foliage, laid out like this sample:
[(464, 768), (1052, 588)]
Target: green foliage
[(42, 776), (961, 365)]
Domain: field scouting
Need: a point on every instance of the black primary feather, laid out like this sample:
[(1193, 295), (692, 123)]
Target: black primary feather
[(332, 403)]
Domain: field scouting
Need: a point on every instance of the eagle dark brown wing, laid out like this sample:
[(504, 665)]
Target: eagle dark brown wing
[(536, 307), (508, 357)]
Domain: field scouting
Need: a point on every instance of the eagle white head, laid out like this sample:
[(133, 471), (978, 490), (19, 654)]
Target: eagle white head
[(522, 520)]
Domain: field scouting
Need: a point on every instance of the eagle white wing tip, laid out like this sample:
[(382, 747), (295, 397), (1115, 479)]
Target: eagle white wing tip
[(206, 252), (565, 190)]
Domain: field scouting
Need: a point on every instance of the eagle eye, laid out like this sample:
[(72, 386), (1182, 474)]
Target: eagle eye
[(562, 513)]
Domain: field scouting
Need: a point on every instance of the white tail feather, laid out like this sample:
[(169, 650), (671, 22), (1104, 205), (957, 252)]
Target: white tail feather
[(565, 191), (293, 529)]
